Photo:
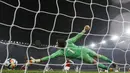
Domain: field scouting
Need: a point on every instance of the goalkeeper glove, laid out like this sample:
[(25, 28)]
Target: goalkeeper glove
[(34, 60), (29, 62), (87, 27)]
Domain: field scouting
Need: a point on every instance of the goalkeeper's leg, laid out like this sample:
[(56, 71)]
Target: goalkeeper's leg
[(107, 60), (102, 57), (94, 55), (90, 60), (110, 61)]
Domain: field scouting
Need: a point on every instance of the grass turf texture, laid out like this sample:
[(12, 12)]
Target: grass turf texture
[(36, 71)]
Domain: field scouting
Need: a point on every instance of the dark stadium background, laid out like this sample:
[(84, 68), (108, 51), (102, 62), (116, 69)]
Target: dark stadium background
[(45, 21)]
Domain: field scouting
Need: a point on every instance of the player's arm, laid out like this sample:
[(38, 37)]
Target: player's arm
[(79, 35), (54, 55)]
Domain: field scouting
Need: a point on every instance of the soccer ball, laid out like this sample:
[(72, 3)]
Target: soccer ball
[(11, 63)]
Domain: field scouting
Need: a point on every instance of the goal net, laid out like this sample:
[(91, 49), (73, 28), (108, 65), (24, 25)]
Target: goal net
[(31, 28)]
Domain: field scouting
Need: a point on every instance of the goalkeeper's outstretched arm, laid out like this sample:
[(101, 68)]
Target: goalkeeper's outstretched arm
[(54, 55), (33, 60), (74, 39)]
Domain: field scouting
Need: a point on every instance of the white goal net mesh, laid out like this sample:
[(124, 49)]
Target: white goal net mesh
[(30, 28)]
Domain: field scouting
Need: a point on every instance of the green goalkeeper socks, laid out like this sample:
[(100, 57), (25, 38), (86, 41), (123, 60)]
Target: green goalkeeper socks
[(102, 66), (105, 58)]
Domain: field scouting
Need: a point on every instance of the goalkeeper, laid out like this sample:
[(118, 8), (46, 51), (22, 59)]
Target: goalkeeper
[(70, 50)]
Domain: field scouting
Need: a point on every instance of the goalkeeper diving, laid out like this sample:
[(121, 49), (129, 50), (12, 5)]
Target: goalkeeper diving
[(69, 50)]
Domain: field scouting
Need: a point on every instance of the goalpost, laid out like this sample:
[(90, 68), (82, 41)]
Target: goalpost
[(44, 25)]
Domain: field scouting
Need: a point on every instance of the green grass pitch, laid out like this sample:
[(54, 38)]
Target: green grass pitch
[(57, 71)]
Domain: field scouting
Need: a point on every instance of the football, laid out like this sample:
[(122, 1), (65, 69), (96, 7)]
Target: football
[(11, 63)]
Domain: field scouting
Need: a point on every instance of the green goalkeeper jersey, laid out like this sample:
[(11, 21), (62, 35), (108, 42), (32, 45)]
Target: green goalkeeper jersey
[(71, 51)]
